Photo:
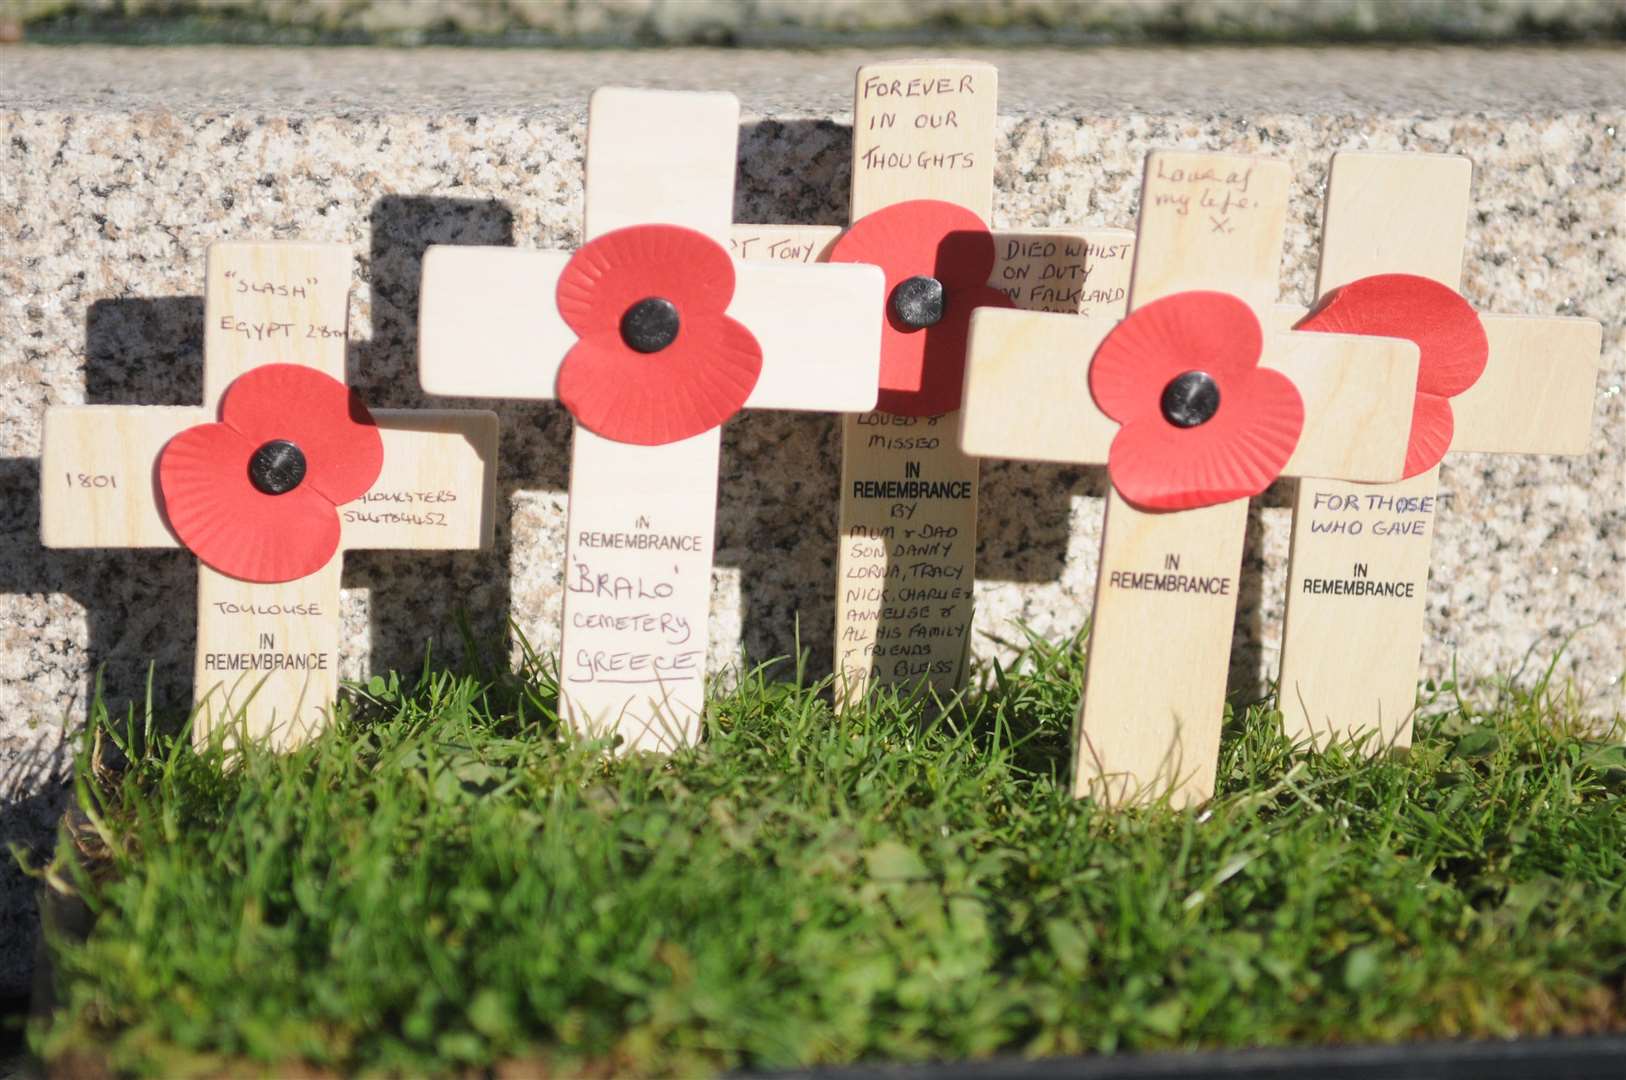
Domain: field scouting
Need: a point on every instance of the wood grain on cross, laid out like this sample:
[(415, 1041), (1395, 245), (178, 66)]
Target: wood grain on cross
[(1155, 679), (905, 568), (267, 655), (633, 645), (1350, 659)]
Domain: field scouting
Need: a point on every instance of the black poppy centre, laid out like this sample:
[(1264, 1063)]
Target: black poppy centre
[(1190, 399), (650, 325), (277, 467), (918, 302)]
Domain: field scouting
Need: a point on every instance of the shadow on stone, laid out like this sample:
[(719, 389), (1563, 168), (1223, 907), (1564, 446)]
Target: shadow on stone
[(793, 172), (1024, 513), (776, 524), (1250, 676), (138, 351), (146, 351), (136, 603), (33, 793), (776, 513), (415, 597)]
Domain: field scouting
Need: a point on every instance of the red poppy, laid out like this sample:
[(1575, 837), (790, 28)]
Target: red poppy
[(255, 495), (657, 360), (937, 258), (1449, 337), (1201, 421)]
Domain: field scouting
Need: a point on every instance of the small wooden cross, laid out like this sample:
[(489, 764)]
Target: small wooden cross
[(268, 653), (908, 507), (642, 518), (921, 130), (1165, 597), (1353, 637)]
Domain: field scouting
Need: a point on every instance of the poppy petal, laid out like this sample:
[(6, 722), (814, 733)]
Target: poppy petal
[(317, 413), (608, 275), (1155, 467), (923, 371), (1448, 334), (1235, 455), (1445, 327), (691, 386), (1190, 331), (921, 236), (1432, 425), (230, 525)]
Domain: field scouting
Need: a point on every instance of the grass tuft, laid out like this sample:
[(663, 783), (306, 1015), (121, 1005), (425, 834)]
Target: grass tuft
[(448, 880)]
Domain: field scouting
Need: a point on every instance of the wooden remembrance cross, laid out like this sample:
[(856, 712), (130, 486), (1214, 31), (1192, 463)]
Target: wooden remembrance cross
[(267, 655), (642, 520), (905, 569), (1360, 554), (1165, 597)]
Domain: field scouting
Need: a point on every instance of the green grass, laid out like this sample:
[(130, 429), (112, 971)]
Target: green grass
[(443, 882)]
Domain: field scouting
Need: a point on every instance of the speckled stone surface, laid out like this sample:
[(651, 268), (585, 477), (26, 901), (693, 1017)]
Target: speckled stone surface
[(118, 168)]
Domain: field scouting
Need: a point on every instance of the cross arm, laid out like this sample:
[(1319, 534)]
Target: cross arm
[(488, 327), (98, 478), (98, 474), (783, 243), (1535, 395), (437, 490), (1027, 389), (1021, 401), (1348, 383), (1026, 393), (487, 323), (820, 331)]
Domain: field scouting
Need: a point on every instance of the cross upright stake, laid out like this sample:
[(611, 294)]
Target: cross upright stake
[(267, 653), (1165, 598), (921, 130), (906, 565), (1358, 571), (642, 519)]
